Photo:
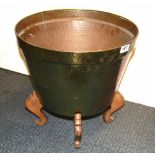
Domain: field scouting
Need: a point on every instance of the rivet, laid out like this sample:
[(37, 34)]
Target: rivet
[(75, 97), (71, 69), (101, 59)]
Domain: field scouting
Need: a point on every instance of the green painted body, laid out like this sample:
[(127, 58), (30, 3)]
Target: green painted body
[(72, 82)]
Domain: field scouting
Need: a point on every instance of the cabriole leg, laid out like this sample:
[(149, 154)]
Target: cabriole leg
[(117, 103), (34, 105), (77, 129)]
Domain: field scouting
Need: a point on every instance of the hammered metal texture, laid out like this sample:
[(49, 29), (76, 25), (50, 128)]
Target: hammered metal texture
[(74, 64)]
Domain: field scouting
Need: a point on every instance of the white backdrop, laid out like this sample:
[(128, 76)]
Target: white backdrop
[(139, 81)]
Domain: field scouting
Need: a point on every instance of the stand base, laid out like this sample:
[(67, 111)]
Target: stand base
[(34, 105)]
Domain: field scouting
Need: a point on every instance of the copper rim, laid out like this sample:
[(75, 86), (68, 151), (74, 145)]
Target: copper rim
[(76, 30)]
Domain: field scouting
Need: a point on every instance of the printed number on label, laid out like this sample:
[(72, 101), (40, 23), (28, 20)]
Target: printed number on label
[(124, 48)]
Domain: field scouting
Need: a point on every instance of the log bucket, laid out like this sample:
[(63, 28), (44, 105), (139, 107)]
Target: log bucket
[(76, 58)]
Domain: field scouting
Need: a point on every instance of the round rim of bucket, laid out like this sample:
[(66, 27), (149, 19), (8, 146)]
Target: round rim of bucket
[(83, 10)]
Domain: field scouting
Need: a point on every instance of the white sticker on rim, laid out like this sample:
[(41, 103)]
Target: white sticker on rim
[(124, 48)]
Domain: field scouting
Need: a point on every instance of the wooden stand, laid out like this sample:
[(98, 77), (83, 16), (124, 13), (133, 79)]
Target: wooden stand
[(34, 105), (118, 102)]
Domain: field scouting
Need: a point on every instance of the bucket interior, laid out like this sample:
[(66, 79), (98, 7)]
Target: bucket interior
[(75, 33)]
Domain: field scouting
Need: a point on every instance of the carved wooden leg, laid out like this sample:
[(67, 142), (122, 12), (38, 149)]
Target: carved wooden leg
[(117, 103), (33, 104), (77, 129)]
